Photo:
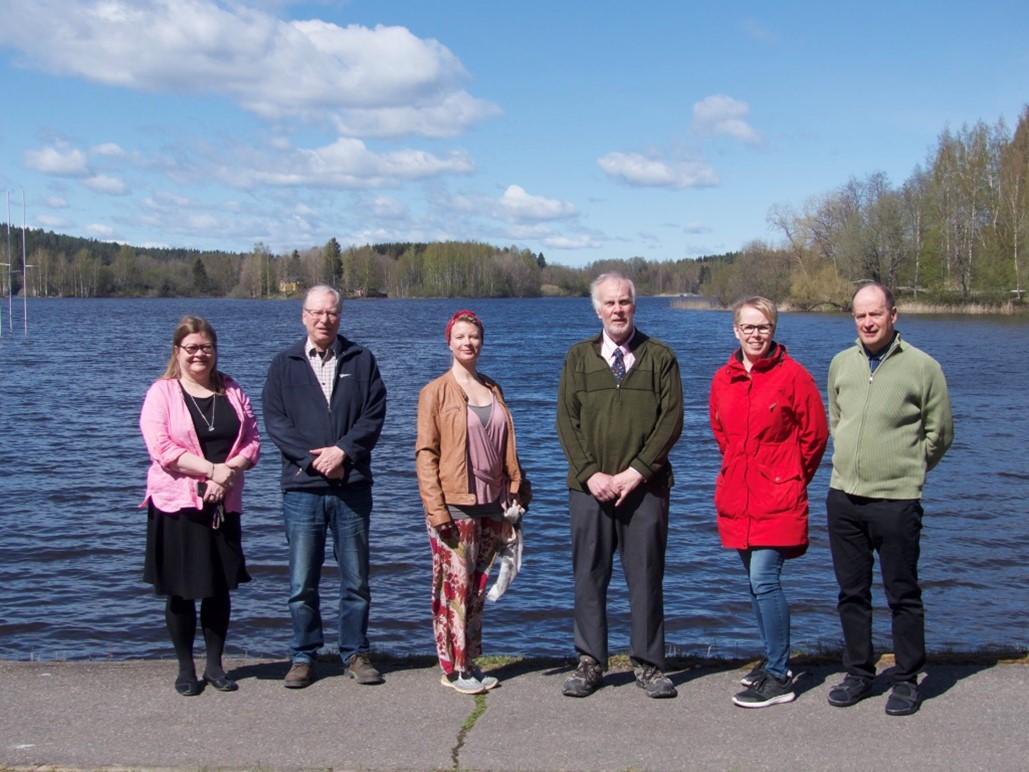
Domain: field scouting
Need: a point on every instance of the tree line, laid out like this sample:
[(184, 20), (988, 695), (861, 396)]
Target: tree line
[(954, 231)]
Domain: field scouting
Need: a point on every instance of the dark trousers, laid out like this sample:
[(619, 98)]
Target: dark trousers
[(639, 531), (858, 527)]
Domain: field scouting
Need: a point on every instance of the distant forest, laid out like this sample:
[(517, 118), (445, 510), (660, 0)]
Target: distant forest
[(954, 232)]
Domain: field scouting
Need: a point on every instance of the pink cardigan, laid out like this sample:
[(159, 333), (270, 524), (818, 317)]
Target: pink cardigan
[(168, 432)]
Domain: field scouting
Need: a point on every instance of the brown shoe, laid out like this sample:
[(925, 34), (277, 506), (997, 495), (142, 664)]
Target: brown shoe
[(299, 676), (360, 668)]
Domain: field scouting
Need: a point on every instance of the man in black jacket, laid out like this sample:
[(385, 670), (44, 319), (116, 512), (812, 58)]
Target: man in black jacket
[(324, 405)]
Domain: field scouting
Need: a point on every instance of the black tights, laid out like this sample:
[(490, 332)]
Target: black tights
[(181, 616)]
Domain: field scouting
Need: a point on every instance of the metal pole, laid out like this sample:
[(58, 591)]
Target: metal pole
[(24, 267), (10, 259)]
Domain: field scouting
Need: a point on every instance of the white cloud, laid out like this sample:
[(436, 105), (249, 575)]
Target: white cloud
[(637, 169), (55, 202), (521, 205), (381, 81), (572, 242), (103, 183), (109, 149), (757, 31), (50, 221), (696, 228), (100, 231), (59, 159), (388, 208), (346, 163), (723, 115)]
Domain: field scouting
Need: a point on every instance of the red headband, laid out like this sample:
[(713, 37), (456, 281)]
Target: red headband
[(463, 316)]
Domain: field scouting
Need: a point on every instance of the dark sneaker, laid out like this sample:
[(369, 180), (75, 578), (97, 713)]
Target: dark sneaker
[(654, 682), (299, 676), (755, 674), (849, 692), (587, 678), (768, 690), (903, 700), (360, 668)]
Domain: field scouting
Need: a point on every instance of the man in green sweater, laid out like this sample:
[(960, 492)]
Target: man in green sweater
[(891, 423), (619, 412)]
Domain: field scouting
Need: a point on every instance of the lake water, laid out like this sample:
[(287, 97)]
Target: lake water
[(72, 468)]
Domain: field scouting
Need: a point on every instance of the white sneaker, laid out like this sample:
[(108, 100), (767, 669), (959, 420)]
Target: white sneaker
[(466, 683)]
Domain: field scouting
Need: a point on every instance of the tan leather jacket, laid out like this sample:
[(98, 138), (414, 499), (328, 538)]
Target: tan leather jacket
[(441, 449)]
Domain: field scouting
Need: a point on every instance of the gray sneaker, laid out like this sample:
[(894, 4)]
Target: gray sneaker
[(587, 678), (465, 682), (360, 668), (488, 682), (654, 682)]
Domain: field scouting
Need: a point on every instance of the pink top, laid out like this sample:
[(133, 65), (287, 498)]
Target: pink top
[(168, 432), (486, 453)]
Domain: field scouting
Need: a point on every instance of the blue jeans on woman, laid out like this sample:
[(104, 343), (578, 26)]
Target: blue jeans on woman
[(764, 568), (309, 517)]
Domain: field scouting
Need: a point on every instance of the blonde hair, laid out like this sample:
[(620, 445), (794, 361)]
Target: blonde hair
[(194, 325), (764, 305)]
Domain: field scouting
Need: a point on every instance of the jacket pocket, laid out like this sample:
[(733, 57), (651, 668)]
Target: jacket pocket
[(779, 492)]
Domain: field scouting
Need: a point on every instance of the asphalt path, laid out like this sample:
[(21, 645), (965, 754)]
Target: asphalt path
[(88, 715)]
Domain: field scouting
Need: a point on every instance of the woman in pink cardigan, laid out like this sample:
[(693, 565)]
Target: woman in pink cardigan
[(201, 435)]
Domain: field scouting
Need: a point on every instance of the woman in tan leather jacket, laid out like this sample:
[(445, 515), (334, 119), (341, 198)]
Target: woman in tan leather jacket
[(468, 476)]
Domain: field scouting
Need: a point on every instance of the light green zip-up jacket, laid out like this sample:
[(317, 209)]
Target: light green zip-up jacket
[(888, 427)]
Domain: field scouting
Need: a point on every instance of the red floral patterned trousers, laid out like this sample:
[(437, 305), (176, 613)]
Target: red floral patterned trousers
[(460, 569)]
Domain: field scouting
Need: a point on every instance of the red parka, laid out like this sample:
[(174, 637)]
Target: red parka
[(770, 426)]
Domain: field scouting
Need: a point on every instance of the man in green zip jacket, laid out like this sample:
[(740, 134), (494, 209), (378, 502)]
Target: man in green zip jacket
[(619, 412), (891, 423)]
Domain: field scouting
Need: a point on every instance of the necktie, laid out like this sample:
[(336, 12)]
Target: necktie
[(618, 366)]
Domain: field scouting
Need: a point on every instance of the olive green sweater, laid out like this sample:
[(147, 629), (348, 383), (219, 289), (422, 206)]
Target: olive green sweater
[(607, 427), (889, 427)]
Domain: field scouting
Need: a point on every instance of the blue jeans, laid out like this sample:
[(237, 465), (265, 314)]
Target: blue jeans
[(764, 567), (309, 516)]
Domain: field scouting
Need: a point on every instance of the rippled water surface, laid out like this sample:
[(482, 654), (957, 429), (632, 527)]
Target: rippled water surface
[(72, 468)]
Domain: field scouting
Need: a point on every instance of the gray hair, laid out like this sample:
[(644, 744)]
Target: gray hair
[(324, 289), (603, 279)]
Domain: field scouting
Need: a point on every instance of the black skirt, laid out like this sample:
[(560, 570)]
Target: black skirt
[(186, 556)]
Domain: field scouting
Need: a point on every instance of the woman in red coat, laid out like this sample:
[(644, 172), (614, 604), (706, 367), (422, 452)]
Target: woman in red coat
[(768, 419)]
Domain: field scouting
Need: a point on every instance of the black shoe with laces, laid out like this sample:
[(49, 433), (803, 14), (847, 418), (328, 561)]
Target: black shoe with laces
[(656, 684), (587, 678), (767, 690), (757, 671)]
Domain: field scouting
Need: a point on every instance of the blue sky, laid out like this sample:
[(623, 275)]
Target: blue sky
[(585, 130)]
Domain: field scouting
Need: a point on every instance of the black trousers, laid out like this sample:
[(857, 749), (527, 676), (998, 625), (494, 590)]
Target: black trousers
[(639, 531), (858, 528)]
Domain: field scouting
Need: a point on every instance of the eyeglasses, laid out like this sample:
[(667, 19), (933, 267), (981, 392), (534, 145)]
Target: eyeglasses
[(750, 329), (193, 348), (330, 315)]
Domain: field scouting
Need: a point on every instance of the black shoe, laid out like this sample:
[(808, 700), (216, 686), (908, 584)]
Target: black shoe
[(757, 671), (587, 678), (903, 699), (767, 690), (656, 683), (221, 682), (188, 686), (850, 691)]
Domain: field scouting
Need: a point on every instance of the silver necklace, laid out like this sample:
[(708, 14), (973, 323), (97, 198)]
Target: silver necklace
[(214, 405)]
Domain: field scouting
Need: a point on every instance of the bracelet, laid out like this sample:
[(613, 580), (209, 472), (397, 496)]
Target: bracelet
[(210, 475)]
